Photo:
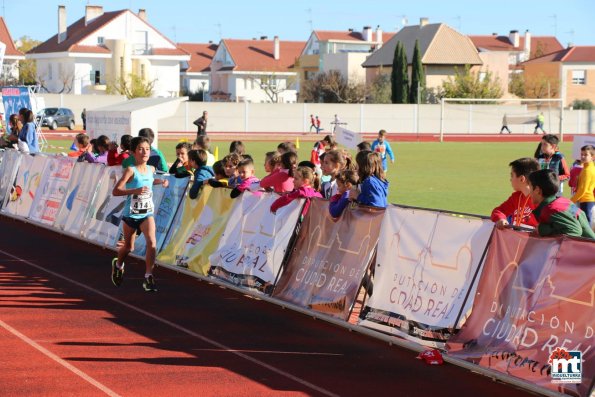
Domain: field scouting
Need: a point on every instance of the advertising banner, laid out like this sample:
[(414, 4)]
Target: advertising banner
[(112, 124), (102, 224), (52, 189), (329, 259), (197, 238), (254, 242), (11, 159), (26, 184), (425, 265), (166, 202), (348, 138), (533, 316), (14, 99), (85, 180)]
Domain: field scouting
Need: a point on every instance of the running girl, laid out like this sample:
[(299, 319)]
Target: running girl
[(137, 184)]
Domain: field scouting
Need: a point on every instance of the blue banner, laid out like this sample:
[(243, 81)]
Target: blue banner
[(15, 98)]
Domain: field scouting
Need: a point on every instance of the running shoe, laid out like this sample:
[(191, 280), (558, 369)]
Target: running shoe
[(117, 273), (149, 284)]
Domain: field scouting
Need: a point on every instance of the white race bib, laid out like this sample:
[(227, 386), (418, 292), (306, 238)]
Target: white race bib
[(141, 203)]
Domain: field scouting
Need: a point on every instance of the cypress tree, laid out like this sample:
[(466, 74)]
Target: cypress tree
[(418, 77), (403, 89), (394, 76)]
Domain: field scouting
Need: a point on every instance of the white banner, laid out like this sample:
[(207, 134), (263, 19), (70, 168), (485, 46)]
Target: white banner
[(85, 180), (102, 223), (253, 244), (425, 264), (109, 123), (578, 141), (52, 189), (348, 138), (26, 184), (11, 159)]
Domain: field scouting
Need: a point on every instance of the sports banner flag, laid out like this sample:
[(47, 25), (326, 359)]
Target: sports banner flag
[(190, 211), (198, 238), (11, 159), (85, 180), (330, 258), (52, 190), (254, 242), (348, 138), (166, 202), (425, 264), (102, 222), (533, 312), (26, 184)]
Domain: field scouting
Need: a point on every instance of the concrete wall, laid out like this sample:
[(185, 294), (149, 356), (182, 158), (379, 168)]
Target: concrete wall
[(295, 117)]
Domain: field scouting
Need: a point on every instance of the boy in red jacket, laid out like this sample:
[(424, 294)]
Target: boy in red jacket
[(517, 209)]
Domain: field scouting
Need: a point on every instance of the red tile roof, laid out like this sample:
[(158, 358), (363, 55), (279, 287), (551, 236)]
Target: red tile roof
[(572, 54), (92, 49), (201, 56), (168, 51), (6, 38), (75, 33), (539, 44), (257, 55), (326, 35)]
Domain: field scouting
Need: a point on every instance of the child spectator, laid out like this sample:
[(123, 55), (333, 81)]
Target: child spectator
[(115, 156), (302, 180), (556, 215), (230, 165), (317, 181), (332, 163), (237, 147), (137, 184), (320, 148), (246, 174), (219, 171), (81, 141), (551, 158), (181, 167), (374, 186), (102, 144), (204, 142), (280, 179), (202, 172), (586, 183), (346, 180), (27, 141), (575, 171), (517, 209), (364, 145), (382, 147), (286, 146)]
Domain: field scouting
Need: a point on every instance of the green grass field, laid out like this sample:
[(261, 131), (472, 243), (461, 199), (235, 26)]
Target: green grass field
[(462, 177)]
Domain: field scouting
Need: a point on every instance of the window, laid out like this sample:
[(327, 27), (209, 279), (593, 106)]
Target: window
[(579, 77), (100, 40), (482, 76), (121, 66), (142, 71), (97, 77), (50, 71)]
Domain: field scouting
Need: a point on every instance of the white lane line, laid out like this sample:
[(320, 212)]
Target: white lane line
[(60, 361), (273, 352), (180, 328)]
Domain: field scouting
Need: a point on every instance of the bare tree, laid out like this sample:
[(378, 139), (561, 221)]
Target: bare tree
[(133, 87), (332, 87), (272, 85)]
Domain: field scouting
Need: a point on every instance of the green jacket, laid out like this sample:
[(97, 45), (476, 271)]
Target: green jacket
[(561, 216)]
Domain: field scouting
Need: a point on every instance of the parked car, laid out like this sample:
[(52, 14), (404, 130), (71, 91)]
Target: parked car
[(56, 117)]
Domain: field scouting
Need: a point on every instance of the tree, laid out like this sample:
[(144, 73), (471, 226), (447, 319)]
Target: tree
[(28, 67), (582, 104), (541, 86), (133, 87), (332, 87), (468, 84), (418, 77), (380, 89), (271, 86), (516, 85), (399, 76)]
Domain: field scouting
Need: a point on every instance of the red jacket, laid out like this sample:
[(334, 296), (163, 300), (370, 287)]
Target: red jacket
[(508, 210), (304, 191), (279, 180)]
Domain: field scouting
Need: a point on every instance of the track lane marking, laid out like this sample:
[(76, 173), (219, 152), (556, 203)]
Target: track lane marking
[(176, 326)]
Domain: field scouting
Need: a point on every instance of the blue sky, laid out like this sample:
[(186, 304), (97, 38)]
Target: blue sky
[(203, 20)]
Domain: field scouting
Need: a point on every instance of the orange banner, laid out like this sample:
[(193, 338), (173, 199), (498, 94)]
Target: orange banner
[(533, 315), (330, 257)]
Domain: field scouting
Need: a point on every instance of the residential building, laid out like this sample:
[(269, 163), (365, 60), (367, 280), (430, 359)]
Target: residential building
[(572, 69), (342, 51), (12, 56), (443, 51), (257, 71), (104, 48), (502, 55), (195, 73)]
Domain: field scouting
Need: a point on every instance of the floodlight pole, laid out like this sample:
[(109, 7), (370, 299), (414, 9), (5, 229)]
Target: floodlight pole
[(441, 119)]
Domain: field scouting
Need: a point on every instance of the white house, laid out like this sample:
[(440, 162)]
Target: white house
[(102, 47), (12, 56), (256, 71), (195, 73)]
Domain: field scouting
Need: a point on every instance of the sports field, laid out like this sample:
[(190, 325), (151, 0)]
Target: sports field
[(458, 176)]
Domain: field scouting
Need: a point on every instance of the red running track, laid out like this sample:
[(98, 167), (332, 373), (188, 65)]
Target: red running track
[(66, 330)]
